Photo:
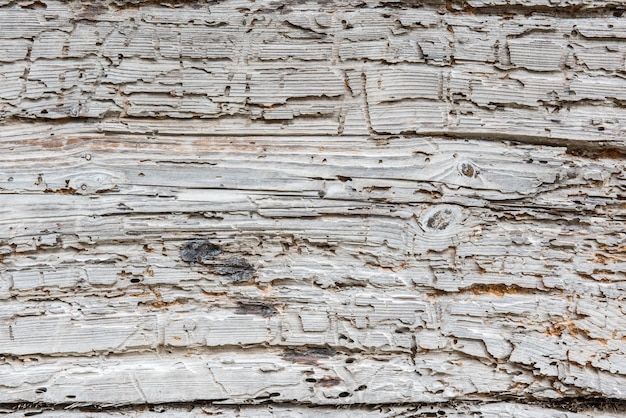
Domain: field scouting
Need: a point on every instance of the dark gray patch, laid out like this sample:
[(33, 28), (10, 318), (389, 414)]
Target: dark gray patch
[(308, 355), (236, 269), (199, 251), (261, 309)]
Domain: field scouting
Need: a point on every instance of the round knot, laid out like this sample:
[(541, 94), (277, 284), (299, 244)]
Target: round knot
[(467, 169)]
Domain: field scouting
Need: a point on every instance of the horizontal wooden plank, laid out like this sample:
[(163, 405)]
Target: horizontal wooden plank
[(453, 410), (312, 375), (250, 202), (394, 169), (319, 69), (559, 333), (507, 254)]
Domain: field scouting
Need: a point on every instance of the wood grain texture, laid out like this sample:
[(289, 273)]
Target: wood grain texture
[(456, 410), (313, 204)]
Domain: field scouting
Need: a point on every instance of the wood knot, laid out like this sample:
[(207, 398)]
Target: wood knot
[(467, 169), (441, 219)]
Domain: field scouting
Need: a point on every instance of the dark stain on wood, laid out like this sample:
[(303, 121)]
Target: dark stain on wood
[(308, 356), (328, 381), (199, 251), (237, 269), (261, 309)]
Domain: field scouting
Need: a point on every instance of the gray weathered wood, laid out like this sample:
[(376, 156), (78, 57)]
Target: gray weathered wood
[(489, 410), (313, 203)]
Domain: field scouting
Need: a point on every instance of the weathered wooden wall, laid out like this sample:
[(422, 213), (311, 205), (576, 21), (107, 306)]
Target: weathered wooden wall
[(313, 204)]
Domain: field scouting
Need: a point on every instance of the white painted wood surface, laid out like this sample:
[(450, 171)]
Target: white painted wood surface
[(313, 204), (456, 410)]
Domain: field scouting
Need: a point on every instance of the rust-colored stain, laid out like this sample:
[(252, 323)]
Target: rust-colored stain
[(160, 303), (559, 328), (611, 255), (499, 289), (58, 142)]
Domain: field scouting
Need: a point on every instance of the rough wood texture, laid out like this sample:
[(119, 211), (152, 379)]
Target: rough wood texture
[(451, 410), (325, 203)]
